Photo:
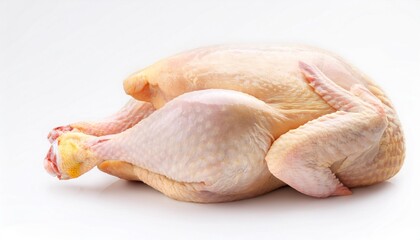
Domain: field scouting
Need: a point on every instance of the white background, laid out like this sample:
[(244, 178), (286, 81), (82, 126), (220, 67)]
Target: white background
[(64, 61)]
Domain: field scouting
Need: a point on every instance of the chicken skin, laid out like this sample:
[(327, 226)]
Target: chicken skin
[(230, 122)]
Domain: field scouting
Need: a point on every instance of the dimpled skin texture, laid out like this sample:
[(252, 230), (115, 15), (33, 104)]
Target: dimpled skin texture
[(189, 150), (233, 121)]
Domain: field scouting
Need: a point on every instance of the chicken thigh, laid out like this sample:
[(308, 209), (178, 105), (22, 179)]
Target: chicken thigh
[(230, 122)]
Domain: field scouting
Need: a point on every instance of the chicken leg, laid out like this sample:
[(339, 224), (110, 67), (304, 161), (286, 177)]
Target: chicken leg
[(181, 144), (129, 115)]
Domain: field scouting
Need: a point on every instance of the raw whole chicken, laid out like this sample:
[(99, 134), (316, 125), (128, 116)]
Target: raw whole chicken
[(229, 122)]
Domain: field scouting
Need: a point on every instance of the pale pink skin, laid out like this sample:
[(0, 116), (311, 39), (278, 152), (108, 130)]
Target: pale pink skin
[(129, 115), (234, 140)]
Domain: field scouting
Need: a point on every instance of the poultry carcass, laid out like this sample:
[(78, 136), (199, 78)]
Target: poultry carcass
[(229, 122)]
